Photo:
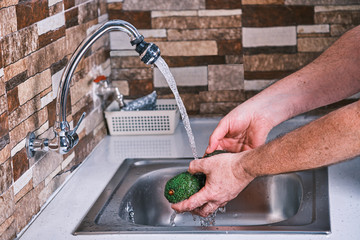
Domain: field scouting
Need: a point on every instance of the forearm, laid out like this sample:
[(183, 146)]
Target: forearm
[(333, 76), (328, 140)]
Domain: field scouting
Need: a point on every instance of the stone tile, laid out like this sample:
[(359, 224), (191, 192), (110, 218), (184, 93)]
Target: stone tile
[(81, 88), (270, 50), (183, 13), (222, 96), (30, 124), (262, 2), (2, 85), (13, 99), (277, 62), (123, 86), (7, 3), (120, 41), (184, 76), (14, 69), (69, 3), (191, 102), (192, 61), (24, 111), (223, 4), (34, 86), (340, 17), (29, 12), (188, 48), (234, 59), (225, 77), (197, 22), (276, 15), (203, 34), (23, 185), (127, 62), (114, 5), (4, 141), (5, 176), (51, 36), (51, 23), (8, 229), (4, 126), (7, 21), (94, 119), (321, 28), (230, 47), (221, 108), (19, 44), (45, 166), (315, 44), (339, 29), (140, 88), (72, 17), (88, 12), (7, 205), (20, 164), (139, 5), (266, 75), (153, 33), (74, 36), (4, 154), (140, 19), (271, 36), (257, 85), (131, 74), (219, 12), (337, 8), (44, 57), (58, 66), (321, 2), (56, 8), (15, 81), (50, 188), (27, 207), (3, 104)]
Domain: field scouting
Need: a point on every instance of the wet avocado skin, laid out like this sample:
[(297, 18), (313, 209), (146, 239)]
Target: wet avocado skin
[(183, 185)]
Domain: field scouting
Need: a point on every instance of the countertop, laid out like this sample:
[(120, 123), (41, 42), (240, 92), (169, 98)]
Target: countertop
[(67, 208)]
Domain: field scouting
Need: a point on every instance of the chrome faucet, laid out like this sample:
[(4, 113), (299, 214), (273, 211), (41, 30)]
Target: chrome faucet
[(65, 139), (104, 89)]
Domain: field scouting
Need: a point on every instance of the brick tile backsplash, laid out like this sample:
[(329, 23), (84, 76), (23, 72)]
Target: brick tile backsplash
[(221, 53)]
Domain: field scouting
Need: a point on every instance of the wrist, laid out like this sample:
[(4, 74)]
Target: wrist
[(240, 168)]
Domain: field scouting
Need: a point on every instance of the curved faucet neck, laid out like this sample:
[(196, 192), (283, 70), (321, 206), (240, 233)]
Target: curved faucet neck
[(117, 25)]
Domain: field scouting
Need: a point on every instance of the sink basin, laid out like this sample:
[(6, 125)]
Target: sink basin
[(133, 202)]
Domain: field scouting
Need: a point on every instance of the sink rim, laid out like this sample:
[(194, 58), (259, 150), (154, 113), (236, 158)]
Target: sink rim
[(320, 223)]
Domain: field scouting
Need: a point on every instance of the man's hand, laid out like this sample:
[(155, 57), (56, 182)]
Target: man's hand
[(240, 130), (224, 181)]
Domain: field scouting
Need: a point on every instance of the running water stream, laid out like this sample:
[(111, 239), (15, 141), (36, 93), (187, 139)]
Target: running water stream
[(164, 69)]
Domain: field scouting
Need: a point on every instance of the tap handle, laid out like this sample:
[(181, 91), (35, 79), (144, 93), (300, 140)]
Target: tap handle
[(78, 124)]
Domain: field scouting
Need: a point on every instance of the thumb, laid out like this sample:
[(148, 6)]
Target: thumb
[(197, 166), (214, 139)]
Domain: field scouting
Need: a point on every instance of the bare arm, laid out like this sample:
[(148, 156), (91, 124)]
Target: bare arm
[(333, 76), (328, 140)]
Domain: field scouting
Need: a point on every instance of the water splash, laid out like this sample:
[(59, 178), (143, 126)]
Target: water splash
[(164, 69), (130, 210), (172, 219)]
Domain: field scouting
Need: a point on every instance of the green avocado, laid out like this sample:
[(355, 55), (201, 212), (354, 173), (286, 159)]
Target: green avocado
[(183, 185)]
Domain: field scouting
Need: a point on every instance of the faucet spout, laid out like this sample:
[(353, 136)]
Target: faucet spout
[(67, 138)]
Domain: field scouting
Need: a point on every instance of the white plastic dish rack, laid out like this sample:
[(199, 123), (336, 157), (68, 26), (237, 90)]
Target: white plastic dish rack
[(163, 120)]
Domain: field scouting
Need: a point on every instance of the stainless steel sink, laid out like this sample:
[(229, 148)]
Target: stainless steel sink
[(133, 202)]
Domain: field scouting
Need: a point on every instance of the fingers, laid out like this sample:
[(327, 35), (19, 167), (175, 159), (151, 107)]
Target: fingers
[(197, 166), (218, 134), (195, 201), (206, 209)]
